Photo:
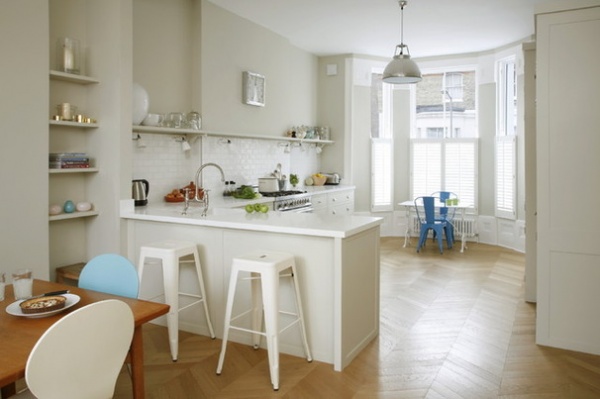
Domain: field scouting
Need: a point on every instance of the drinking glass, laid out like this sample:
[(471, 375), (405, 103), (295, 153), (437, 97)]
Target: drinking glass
[(22, 283), (2, 285)]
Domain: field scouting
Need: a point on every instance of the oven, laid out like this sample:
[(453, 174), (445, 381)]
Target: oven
[(290, 201)]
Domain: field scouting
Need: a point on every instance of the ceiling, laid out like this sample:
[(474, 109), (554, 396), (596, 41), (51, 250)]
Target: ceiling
[(372, 27)]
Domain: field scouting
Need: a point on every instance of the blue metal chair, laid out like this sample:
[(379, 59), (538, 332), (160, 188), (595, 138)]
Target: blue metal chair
[(112, 274), (429, 222), (446, 214)]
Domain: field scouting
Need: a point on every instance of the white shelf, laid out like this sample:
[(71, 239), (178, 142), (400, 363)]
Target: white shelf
[(70, 77), (74, 124), (74, 215), (72, 170), (166, 130)]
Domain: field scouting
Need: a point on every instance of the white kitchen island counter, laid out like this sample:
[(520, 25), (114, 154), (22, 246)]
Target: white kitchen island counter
[(337, 259)]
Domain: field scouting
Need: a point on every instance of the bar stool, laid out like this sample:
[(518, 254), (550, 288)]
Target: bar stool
[(265, 268), (170, 253)]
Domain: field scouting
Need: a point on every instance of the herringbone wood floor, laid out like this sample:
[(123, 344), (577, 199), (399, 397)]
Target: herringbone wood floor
[(452, 326)]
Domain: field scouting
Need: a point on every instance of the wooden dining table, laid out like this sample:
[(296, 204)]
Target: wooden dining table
[(19, 334)]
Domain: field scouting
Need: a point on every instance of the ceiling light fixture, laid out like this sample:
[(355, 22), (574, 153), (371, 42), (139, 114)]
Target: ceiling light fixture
[(401, 69)]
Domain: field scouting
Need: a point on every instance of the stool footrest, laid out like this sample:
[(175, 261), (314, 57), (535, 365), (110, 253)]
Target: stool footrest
[(264, 334)]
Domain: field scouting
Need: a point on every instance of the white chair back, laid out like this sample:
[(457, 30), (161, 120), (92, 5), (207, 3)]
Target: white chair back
[(81, 355)]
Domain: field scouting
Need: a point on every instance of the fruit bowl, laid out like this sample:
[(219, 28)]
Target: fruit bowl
[(319, 180)]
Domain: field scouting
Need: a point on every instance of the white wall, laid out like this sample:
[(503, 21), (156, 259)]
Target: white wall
[(231, 45), (190, 55), (24, 131)]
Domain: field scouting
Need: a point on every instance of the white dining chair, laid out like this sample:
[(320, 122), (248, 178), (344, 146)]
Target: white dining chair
[(81, 355)]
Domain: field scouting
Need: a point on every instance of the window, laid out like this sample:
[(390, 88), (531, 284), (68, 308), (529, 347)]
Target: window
[(505, 176), (507, 97), (382, 165), (454, 85), (506, 144), (444, 142), (444, 165)]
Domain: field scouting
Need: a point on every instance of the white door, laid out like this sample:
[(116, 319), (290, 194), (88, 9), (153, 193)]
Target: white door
[(568, 170)]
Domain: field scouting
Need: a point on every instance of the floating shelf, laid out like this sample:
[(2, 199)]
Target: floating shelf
[(72, 170), (166, 130), (70, 77), (74, 215), (74, 124)]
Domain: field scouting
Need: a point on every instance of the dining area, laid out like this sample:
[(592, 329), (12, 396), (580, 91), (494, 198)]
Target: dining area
[(443, 213), (23, 334)]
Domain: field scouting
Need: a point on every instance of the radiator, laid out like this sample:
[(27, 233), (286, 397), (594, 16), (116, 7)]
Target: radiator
[(466, 226)]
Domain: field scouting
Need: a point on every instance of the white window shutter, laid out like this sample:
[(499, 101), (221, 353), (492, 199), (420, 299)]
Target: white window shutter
[(382, 167), (506, 149), (426, 167), (445, 165)]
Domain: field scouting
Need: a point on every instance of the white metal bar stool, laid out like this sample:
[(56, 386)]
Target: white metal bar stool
[(265, 268), (170, 253)]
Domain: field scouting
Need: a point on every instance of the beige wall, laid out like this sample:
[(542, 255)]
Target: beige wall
[(24, 132), (190, 54), (232, 45)]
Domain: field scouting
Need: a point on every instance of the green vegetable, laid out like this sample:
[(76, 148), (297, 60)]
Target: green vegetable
[(244, 192), (294, 180)]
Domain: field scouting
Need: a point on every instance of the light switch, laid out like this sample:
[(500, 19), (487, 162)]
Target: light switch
[(331, 69)]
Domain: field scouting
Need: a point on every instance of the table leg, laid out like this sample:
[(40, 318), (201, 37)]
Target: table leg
[(8, 390), (407, 232), (137, 363), (463, 236)]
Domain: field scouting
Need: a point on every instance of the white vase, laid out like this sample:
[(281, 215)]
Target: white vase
[(140, 104)]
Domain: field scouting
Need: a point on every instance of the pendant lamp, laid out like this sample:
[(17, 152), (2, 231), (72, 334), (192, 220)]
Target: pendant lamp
[(401, 69)]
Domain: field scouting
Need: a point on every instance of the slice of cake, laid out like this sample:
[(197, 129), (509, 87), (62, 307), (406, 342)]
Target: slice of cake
[(43, 304)]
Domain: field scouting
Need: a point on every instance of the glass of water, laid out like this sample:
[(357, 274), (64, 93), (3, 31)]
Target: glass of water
[(22, 283)]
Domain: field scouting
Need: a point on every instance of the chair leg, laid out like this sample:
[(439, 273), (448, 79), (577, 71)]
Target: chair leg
[(257, 308), (300, 314), (270, 292), (440, 242), (422, 238), (171, 283), (203, 293), (228, 310)]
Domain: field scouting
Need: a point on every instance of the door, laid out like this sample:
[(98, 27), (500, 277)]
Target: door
[(568, 176)]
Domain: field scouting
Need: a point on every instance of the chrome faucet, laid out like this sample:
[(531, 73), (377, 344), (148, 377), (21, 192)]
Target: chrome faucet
[(201, 194)]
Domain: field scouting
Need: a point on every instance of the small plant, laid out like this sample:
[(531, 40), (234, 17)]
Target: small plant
[(294, 180)]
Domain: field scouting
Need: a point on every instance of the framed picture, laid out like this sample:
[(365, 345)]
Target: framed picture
[(253, 89)]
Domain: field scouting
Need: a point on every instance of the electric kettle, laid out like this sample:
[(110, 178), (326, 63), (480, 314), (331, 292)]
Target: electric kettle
[(139, 191)]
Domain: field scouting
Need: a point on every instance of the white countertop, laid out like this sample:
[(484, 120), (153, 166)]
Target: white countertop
[(229, 213)]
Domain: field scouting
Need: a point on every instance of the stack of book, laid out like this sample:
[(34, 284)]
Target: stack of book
[(66, 160)]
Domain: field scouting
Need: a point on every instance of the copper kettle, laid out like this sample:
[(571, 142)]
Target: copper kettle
[(139, 191)]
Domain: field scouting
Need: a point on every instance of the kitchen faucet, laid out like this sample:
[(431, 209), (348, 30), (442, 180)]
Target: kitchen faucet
[(200, 194)]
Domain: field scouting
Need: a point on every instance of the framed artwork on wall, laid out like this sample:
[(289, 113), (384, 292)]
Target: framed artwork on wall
[(253, 89)]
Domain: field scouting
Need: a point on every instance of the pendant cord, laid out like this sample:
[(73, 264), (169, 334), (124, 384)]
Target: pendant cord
[(402, 4)]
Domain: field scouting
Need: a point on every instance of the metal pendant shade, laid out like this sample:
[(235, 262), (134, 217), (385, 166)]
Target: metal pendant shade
[(401, 69)]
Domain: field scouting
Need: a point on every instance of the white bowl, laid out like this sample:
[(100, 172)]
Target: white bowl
[(83, 206), (140, 104), (152, 120)]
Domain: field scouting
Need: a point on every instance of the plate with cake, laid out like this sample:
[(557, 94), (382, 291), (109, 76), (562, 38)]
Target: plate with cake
[(43, 306)]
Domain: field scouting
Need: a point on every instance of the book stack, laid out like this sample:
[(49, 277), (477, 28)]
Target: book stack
[(69, 160)]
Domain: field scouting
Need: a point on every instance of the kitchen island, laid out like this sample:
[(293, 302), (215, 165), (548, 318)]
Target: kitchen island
[(337, 258)]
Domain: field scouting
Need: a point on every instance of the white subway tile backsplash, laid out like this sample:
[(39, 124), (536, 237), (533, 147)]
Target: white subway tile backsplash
[(163, 163)]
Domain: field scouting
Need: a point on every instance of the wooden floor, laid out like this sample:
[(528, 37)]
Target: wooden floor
[(452, 326)]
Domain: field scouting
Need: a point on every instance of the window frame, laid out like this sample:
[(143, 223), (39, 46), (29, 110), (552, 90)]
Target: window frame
[(382, 152)]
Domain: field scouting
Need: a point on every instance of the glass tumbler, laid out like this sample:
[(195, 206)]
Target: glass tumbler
[(22, 283)]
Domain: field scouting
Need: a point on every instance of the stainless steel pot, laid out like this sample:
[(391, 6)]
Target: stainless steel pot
[(268, 184), (332, 178)]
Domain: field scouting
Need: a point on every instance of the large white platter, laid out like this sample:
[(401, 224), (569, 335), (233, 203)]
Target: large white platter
[(15, 310)]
